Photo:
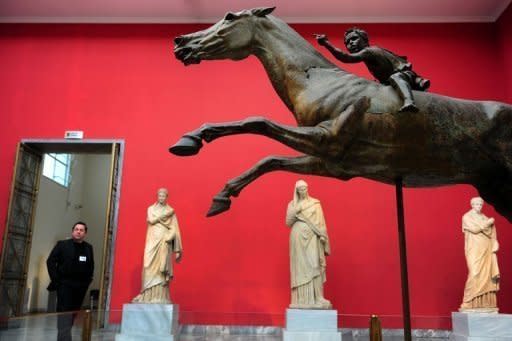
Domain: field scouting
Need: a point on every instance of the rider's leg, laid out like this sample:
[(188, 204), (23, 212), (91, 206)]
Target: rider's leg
[(402, 86), (421, 83)]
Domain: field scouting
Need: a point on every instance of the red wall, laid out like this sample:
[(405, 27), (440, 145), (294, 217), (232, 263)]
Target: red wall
[(121, 81), (505, 43)]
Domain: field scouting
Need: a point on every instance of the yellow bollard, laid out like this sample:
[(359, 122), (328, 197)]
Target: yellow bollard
[(375, 329)]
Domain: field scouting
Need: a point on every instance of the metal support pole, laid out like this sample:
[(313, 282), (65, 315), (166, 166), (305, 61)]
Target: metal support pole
[(375, 329), (403, 260), (87, 326)]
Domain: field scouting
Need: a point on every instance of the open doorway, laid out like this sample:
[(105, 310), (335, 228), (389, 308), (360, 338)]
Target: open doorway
[(57, 183)]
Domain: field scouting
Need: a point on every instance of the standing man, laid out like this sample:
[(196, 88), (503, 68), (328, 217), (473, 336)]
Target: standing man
[(70, 266)]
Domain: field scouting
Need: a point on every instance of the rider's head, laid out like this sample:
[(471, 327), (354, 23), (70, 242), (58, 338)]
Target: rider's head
[(356, 39)]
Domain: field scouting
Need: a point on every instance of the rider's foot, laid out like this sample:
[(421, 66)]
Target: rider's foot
[(424, 84), (408, 107)]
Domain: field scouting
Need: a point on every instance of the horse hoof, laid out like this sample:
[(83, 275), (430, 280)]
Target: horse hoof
[(186, 146), (219, 205)]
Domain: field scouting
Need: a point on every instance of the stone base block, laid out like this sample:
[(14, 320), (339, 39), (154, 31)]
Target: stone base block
[(311, 325), (481, 327), (315, 336), (457, 337), (149, 322), (145, 337)]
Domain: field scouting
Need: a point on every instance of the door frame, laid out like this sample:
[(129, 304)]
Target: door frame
[(83, 146)]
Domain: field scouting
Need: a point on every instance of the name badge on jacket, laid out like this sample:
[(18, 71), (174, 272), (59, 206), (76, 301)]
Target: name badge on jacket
[(82, 258)]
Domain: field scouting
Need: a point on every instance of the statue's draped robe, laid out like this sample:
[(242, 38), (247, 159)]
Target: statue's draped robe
[(162, 237), (483, 274), (307, 251)]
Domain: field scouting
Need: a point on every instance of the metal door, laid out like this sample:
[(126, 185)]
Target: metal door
[(110, 224), (18, 232)]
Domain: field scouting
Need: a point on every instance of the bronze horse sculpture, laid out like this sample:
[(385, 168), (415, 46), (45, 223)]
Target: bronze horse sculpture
[(349, 126)]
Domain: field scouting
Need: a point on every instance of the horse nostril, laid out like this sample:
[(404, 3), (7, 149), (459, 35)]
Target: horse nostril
[(178, 40), (181, 53)]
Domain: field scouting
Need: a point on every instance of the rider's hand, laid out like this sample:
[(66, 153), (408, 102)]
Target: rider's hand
[(321, 38)]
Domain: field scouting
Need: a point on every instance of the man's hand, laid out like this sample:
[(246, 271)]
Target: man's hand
[(54, 285), (178, 257), (321, 39)]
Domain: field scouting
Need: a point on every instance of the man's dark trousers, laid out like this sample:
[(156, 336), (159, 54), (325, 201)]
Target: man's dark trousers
[(69, 299)]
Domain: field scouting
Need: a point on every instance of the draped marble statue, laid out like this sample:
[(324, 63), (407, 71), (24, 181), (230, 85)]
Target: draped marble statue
[(309, 244), (480, 246), (162, 239)]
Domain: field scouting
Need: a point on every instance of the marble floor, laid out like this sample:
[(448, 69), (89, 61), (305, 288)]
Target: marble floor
[(44, 329), (109, 335)]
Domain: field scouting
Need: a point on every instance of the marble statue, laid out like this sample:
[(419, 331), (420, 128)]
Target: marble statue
[(309, 244), (480, 247), (162, 239)]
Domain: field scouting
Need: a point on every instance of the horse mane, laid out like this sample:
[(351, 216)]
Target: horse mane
[(299, 42)]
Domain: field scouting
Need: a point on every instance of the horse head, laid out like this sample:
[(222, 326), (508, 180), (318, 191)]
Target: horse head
[(229, 38)]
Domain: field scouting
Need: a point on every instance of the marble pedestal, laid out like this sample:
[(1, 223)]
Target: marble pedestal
[(481, 327), (311, 325), (149, 322)]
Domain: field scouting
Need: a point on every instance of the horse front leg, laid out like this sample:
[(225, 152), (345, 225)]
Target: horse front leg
[(301, 165), (327, 139)]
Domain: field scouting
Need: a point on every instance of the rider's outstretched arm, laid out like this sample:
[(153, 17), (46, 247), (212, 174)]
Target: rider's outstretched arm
[(342, 56)]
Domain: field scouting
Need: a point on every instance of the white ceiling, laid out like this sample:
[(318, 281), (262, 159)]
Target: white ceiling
[(295, 11)]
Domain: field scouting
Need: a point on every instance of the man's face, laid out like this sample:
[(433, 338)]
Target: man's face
[(354, 43), (78, 234)]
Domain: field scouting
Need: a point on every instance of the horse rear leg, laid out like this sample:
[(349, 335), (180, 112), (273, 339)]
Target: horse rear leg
[(300, 165), (327, 139)]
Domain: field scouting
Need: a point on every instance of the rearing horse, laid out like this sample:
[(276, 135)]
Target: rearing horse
[(350, 126)]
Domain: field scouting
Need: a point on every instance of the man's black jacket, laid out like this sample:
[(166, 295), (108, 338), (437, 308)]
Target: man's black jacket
[(70, 263)]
